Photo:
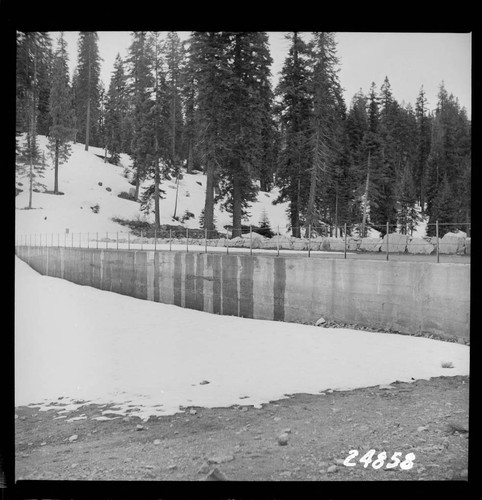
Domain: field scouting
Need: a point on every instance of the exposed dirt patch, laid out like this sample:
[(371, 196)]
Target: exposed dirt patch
[(427, 417)]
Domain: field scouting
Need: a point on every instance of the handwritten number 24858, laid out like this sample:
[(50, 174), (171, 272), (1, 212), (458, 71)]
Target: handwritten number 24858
[(367, 459)]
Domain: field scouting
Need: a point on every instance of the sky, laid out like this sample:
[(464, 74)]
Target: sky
[(409, 60)]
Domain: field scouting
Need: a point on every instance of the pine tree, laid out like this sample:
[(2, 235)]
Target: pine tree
[(61, 131), (423, 146), (141, 84), (116, 107), (211, 72), (325, 125), (87, 88), (247, 55), (294, 115)]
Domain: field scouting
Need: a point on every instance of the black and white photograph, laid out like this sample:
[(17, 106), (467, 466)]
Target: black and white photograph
[(242, 256)]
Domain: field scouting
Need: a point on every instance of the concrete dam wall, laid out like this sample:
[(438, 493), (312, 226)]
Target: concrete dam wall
[(409, 297)]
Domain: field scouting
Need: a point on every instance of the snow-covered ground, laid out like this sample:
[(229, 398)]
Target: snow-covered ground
[(79, 180), (80, 343)]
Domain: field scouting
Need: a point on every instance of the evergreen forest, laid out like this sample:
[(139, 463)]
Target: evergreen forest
[(208, 104)]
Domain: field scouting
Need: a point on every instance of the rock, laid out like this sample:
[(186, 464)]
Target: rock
[(285, 473), (216, 475), (172, 467), (73, 438), (452, 243), (43, 443), (126, 419), (192, 412), (331, 469), (132, 192), (464, 473), (99, 183), (139, 427), (371, 244), (396, 243), (204, 382), (334, 244), (300, 244), (339, 461), (320, 321), (420, 246), (286, 431), (204, 469), (220, 459), (157, 441), (422, 428), (108, 189), (277, 419), (283, 439)]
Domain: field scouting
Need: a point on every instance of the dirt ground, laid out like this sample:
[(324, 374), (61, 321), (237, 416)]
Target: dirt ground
[(428, 418)]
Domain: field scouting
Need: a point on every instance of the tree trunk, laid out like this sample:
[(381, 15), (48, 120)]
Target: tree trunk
[(87, 125), (365, 205), (316, 167), (237, 205), (209, 202), (56, 166), (157, 209)]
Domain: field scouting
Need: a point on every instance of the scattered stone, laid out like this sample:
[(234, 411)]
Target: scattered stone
[(422, 428), (257, 438), (126, 419), (43, 443), (320, 321), (216, 475), (455, 427), (157, 441), (331, 469), (283, 439), (220, 459), (172, 467), (285, 473), (204, 469), (339, 461), (192, 412), (73, 466), (277, 419), (73, 438), (464, 474), (286, 431), (139, 427), (99, 183), (204, 382), (108, 189)]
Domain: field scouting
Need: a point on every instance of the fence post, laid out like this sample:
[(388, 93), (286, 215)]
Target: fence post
[(187, 239), (344, 233), (170, 240), (205, 240), (309, 240), (251, 240), (155, 239), (227, 240), (277, 243), (388, 229), (436, 235)]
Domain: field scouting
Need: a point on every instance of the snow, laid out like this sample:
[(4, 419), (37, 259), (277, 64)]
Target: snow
[(79, 180), (76, 344)]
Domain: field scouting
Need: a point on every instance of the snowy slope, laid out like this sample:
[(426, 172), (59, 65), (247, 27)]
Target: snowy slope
[(79, 181), (80, 343)]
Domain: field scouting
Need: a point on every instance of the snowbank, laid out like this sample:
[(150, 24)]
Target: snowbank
[(80, 343)]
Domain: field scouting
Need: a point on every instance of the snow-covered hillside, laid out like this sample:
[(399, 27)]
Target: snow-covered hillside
[(84, 180)]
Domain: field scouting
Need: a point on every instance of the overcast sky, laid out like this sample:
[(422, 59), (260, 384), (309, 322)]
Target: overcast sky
[(410, 60)]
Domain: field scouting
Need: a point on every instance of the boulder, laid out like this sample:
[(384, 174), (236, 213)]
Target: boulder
[(300, 244), (284, 242), (396, 243), (132, 192), (371, 244), (352, 244), (238, 242), (452, 243), (420, 246), (335, 244)]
